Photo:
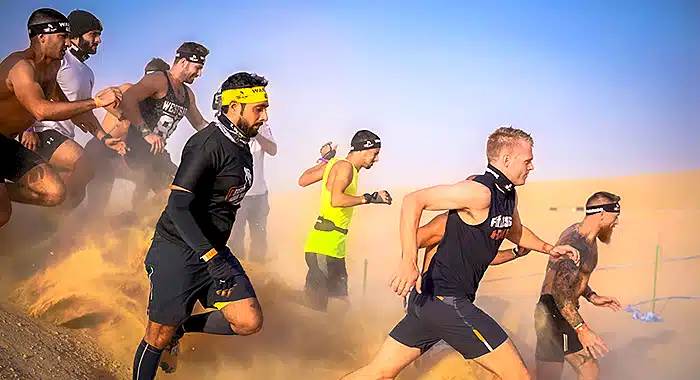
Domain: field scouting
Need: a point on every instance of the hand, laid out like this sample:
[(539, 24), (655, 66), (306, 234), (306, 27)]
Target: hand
[(30, 140), (115, 143), (566, 250), (109, 96), (604, 301), (328, 150), (157, 143), (379, 197), (592, 343), (224, 268), (406, 278)]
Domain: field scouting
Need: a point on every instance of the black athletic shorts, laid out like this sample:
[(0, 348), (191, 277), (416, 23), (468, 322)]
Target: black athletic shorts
[(15, 159), (160, 168), (457, 321), (555, 336), (326, 277), (179, 278), (49, 141)]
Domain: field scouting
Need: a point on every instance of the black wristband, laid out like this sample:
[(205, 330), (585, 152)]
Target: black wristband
[(145, 131), (368, 198), (105, 137)]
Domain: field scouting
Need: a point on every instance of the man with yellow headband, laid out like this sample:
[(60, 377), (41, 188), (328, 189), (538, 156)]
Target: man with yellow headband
[(325, 244), (188, 259)]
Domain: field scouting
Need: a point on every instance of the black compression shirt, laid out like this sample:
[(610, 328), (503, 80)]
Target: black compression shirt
[(466, 251), (218, 171)]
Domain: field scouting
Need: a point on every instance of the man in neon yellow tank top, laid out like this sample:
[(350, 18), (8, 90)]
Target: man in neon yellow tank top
[(325, 244)]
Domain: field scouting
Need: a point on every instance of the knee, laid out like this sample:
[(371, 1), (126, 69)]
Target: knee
[(159, 337), (248, 324), (587, 370), (53, 192)]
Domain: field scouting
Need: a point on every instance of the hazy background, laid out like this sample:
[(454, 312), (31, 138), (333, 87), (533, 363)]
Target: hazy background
[(606, 88)]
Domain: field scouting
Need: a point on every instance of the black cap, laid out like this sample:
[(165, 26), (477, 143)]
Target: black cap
[(156, 64), (364, 140), (82, 22)]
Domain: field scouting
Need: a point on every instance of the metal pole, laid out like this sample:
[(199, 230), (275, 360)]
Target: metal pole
[(364, 280), (656, 272)]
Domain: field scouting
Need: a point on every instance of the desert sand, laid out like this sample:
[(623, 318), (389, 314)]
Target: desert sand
[(99, 286)]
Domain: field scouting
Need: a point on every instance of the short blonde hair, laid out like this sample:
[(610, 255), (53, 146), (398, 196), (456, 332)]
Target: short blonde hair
[(505, 136)]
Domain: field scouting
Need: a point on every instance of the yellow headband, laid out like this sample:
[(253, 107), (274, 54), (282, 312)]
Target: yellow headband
[(244, 95)]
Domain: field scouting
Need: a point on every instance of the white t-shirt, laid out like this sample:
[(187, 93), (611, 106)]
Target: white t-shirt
[(259, 185), (76, 80)]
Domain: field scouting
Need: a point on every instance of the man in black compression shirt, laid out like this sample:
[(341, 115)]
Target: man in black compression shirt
[(188, 260)]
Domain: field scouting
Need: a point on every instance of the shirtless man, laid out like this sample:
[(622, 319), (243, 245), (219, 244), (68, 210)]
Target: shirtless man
[(30, 93), (561, 332)]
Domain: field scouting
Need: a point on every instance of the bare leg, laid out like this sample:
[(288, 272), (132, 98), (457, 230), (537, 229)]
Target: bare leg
[(41, 186), (549, 370), (505, 362), (387, 363), (586, 367), (245, 316), (75, 170)]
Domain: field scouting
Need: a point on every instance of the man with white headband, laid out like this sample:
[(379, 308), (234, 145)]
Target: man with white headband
[(561, 332), (188, 259), (29, 93)]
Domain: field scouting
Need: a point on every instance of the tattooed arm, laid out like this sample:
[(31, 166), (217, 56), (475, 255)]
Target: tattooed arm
[(565, 293), (588, 293)]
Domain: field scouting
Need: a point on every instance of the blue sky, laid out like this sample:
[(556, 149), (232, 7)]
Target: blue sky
[(606, 88)]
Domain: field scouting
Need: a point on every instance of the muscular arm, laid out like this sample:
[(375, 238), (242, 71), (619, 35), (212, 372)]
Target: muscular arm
[(193, 115), (564, 289), (30, 94), (148, 86), (85, 121), (462, 195), (312, 174), (339, 179), (588, 292)]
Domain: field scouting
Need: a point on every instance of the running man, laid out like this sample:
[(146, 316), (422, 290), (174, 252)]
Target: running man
[(561, 332), (154, 106), (325, 245), (29, 93), (482, 213), (112, 166), (53, 140), (188, 260)]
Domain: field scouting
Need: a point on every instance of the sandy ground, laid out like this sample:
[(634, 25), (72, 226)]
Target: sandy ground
[(100, 287)]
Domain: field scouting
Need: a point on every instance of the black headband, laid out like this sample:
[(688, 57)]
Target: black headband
[(365, 144), (608, 207), (191, 56), (49, 28)]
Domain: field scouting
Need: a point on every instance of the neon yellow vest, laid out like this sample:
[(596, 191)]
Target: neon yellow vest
[(332, 243)]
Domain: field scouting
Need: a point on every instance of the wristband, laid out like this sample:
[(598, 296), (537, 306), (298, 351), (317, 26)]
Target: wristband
[(579, 326), (105, 137), (145, 131)]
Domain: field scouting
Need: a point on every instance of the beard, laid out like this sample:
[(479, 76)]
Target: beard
[(605, 235), (86, 46), (249, 130)]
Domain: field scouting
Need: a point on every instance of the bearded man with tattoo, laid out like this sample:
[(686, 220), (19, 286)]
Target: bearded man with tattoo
[(561, 332)]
